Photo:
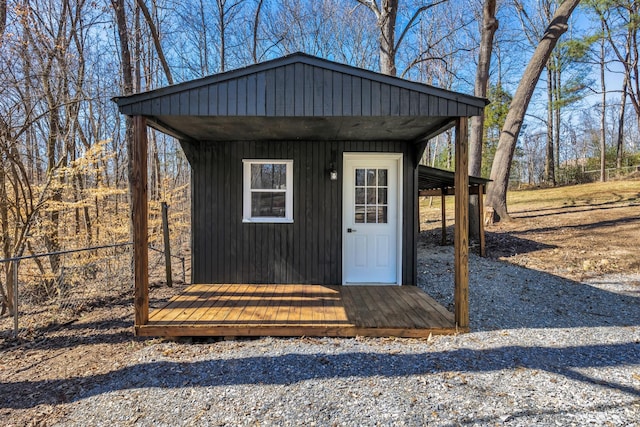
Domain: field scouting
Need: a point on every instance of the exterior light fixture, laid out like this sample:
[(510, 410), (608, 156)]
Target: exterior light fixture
[(333, 172)]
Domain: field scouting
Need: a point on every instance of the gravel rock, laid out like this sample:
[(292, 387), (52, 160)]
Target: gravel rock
[(543, 351)]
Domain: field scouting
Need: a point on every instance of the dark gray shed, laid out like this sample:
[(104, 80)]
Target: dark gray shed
[(306, 171)]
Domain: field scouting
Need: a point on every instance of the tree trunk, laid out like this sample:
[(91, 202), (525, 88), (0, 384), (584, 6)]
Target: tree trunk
[(204, 58), (3, 18), (557, 112), (549, 175), (387, 24), (221, 23), (6, 298), (620, 137), (603, 117), (156, 40), (127, 88), (256, 23), (501, 167), (487, 32)]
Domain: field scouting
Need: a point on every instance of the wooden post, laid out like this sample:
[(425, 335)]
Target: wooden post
[(139, 214), (461, 239), (167, 245), (481, 220), (443, 213), (16, 299)]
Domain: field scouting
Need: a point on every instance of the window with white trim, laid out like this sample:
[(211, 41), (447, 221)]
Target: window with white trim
[(267, 191)]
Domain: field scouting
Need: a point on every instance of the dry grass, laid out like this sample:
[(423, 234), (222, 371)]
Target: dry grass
[(576, 231), (590, 195)]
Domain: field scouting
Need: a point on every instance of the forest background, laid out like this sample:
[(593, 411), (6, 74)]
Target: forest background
[(63, 145)]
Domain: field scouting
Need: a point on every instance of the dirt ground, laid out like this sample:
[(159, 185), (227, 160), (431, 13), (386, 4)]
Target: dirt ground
[(574, 232)]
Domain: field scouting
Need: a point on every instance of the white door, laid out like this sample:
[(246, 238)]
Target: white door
[(371, 212)]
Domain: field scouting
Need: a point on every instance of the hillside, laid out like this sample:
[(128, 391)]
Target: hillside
[(575, 232)]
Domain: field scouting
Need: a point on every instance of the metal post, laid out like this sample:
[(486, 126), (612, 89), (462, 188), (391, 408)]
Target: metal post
[(184, 274), (15, 299)]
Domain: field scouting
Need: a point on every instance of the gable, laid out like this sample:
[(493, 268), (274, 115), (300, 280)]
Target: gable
[(297, 86)]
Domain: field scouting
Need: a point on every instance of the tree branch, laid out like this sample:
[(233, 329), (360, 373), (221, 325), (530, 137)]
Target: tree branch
[(413, 18), (156, 39)]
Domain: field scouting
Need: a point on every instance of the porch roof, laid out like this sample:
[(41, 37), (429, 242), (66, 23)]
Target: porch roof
[(439, 179), (300, 97)]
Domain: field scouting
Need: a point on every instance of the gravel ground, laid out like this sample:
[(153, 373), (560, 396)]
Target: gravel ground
[(543, 351)]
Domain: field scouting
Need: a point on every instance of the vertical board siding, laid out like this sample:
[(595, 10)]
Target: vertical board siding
[(309, 90), (394, 98), (376, 99), (226, 250), (185, 103), (338, 99), (261, 94), (252, 97), (317, 92), (280, 91), (297, 90), (203, 101), (223, 95), (346, 95), (404, 102), (327, 93), (414, 103), (232, 98), (385, 100), (270, 92), (356, 96), (213, 100), (366, 97)]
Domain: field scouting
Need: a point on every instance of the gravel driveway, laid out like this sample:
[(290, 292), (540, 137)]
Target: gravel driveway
[(543, 351)]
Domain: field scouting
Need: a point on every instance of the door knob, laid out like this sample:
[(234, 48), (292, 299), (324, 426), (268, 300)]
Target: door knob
[(350, 230)]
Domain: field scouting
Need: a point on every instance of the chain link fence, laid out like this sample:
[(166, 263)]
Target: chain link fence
[(56, 287)]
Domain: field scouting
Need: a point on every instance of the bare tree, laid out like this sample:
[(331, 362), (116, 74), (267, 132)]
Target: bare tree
[(386, 13), (603, 117), (155, 37), (497, 193), (226, 12), (488, 29), (621, 30), (256, 25), (3, 18)]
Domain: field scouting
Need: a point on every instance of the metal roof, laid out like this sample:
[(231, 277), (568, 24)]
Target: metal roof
[(437, 179), (301, 97)]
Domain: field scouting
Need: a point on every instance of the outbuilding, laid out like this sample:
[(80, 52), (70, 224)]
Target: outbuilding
[(304, 172)]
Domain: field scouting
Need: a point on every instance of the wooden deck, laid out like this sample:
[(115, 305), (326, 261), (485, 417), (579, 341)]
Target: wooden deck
[(300, 310)]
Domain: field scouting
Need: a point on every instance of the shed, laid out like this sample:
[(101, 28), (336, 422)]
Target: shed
[(439, 182), (305, 172)]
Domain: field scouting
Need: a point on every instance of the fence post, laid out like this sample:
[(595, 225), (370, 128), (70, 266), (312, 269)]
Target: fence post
[(167, 246), (15, 299)]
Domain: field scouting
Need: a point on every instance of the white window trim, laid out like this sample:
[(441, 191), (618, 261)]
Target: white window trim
[(246, 191)]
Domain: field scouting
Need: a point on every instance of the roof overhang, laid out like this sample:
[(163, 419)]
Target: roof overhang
[(225, 128), (300, 97)]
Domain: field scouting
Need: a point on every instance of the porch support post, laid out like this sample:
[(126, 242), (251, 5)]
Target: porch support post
[(461, 239), (443, 214), (139, 214), (483, 251)]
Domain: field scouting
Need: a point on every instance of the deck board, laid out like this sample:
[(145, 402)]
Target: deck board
[(299, 310)]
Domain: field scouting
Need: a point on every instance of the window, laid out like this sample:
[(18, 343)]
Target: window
[(371, 196), (267, 191)]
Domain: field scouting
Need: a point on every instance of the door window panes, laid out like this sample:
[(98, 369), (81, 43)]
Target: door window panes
[(371, 201)]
